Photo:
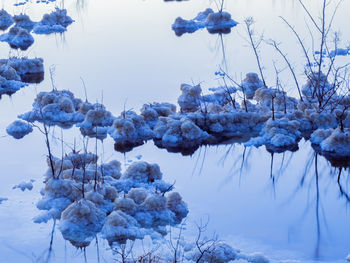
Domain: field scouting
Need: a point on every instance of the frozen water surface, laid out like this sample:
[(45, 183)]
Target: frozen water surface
[(127, 55)]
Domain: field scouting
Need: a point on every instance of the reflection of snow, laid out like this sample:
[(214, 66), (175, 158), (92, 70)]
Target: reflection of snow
[(24, 186)]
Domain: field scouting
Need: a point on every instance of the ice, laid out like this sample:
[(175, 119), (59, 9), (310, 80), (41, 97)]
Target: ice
[(18, 129)]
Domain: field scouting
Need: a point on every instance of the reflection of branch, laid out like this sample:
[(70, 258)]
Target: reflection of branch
[(341, 189)]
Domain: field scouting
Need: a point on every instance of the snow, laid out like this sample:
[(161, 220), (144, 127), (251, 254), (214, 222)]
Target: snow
[(24, 186), (19, 129), (348, 258)]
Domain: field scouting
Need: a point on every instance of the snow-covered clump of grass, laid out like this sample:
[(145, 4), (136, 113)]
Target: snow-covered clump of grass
[(18, 37), (277, 135), (55, 22), (81, 222), (81, 194), (25, 66), (6, 20), (181, 26), (251, 84), (97, 122), (220, 253), (18, 129), (24, 21), (55, 108), (179, 131), (10, 81), (151, 112), (332, 142), (129, 130), (220, 95), (220, 22), (189, 100)]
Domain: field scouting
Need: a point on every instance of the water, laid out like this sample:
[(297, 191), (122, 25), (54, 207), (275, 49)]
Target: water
[(127, 54)]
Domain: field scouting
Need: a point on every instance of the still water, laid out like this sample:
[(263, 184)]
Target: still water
[(127, 54)]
